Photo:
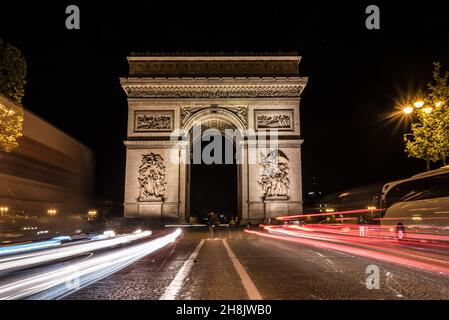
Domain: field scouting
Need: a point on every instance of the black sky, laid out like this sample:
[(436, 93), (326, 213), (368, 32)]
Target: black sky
[(355, 74)]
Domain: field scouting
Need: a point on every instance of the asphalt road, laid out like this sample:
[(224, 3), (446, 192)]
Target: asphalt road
[(238, 265)]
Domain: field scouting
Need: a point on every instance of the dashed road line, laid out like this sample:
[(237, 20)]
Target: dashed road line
[(248, 284), (175, 286)]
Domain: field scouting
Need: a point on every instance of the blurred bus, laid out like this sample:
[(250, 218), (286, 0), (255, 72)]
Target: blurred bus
[(418, 207)]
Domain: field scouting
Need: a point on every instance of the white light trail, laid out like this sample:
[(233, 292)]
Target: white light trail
[(17, 248), (50, 284), (30, 259)]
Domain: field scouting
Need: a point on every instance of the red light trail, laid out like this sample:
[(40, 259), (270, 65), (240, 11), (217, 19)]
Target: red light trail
[(320, 214), (374, 247)]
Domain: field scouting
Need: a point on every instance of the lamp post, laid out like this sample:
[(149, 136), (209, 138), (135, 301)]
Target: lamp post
[(264, 208), (372, 208), (430, 113)]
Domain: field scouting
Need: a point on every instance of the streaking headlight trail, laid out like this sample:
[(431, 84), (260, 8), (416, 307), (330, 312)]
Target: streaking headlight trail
[(26, 247), (30, 259), (383, 250), (56, 282)]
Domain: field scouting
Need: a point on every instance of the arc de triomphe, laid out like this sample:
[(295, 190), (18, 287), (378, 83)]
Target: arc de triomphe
[(257, 95)]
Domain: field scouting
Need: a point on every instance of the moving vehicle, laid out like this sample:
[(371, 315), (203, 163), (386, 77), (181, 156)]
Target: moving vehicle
[(418, 207)]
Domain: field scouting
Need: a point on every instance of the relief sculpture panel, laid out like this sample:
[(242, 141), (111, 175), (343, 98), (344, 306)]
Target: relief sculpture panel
[(153, 121), (274, 119), (151, 178), (274, 178)]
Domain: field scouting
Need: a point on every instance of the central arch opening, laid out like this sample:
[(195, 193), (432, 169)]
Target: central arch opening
[(214, 186)]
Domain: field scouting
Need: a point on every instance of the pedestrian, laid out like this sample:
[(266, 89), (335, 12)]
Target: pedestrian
[(210, 218), (232, 223)]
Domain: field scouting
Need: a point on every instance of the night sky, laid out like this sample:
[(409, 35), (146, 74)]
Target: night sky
[(355, 74)]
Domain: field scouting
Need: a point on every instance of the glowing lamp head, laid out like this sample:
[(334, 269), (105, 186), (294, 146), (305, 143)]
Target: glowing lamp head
[(407, 110), (91, 215), (428, 110), (418, 104)]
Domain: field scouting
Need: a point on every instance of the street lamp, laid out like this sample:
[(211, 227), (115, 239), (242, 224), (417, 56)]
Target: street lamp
[(3, 210), (407, 110), (428, 110), (421, 104), (418, 104), (372, 208), (91, 215)]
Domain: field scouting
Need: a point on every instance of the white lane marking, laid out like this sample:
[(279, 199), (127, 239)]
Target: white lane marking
[(328, 261), (389, 278), (248, 284), (175, 286)]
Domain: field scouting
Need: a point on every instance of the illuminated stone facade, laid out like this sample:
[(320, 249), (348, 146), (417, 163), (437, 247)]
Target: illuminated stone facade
[(252, 94)]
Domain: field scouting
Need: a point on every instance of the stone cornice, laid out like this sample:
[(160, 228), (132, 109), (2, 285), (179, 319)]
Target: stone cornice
[(155, 144), (212, 80), (214, 87), (142, 144), (214, 58)]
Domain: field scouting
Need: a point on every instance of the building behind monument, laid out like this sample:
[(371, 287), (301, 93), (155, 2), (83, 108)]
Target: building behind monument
[(49, 170)]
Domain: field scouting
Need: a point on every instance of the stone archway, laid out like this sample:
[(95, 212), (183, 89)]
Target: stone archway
[(253, 94), (222, 120)]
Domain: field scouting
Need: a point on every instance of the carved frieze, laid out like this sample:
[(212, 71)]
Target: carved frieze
[(213, 91), (151, 178), (274, 119), (153, 120)]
